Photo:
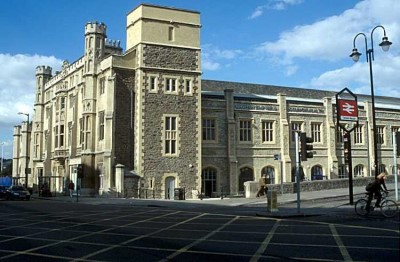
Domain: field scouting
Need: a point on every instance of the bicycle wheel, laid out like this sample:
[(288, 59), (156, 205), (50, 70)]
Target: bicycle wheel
[(361, 207), (389, 208)]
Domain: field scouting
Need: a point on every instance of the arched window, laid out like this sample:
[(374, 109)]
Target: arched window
[(342, 171), (269, 171), (208, 181), (317, 173), (246, 174), (359, 171)]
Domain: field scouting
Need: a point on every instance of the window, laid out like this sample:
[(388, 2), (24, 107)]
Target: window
[(342, 171), (317, 173), (316, 132), (358, 135), (209, 129), (269, 171), (170, 85), (380, 135), (102, 85), (208, 181), (359, 171), (62, 102), (101, 125), (381, 168), (170, 135), (82, 128), (153, 83), (171, 33), (61, 135), (295, 128), (245, 130), (56, 136), (188, 86), (394, 130), (267, 131)]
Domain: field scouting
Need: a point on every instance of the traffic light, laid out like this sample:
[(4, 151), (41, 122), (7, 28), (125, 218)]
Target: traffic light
[(398, 143), (306, 147), (79, 171)]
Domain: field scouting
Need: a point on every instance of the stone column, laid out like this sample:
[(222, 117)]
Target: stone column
[(119, 179), (330, 139), (231, 141)]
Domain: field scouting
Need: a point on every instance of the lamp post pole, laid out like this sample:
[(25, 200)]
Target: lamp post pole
[(26, 148), (355, 55)]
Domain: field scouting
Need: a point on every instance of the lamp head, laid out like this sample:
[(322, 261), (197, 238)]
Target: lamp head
[(385, 44), (355, 55)]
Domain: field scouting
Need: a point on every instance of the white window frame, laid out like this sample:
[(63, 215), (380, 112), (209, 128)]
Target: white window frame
[(295, 127), (316, 132), (358, 135), (170, 135), (209, 129), (245, 130), (170, 85), (268, 131)]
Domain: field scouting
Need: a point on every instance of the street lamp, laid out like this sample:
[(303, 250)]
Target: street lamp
[(26, 148), (355, 55)]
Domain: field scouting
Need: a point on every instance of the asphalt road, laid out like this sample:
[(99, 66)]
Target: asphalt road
[(43, 230)]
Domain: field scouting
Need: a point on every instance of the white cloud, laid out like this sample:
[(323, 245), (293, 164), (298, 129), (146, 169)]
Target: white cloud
[(17, 84), (331, 40), (274, 5), (213, 58)]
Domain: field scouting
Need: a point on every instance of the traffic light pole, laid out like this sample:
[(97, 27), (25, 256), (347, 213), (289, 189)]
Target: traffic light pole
[(298, 172), (348, 160)]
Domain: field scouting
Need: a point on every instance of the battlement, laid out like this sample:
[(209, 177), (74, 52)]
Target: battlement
[(43, 70), (95, 28), (113, 43)]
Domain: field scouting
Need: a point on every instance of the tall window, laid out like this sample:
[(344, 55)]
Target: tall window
[(295, 128), (170, 133), (267, 131), (82, 128), (358, 135), (245, 130), (342, 171), (56, 136), (209, 181), (102, 85), (153, 83), (171, 33), (188, 86), (101, 125), (170, 85), (209, 129), (380, 135), (316, 132), (62, 102), (394, 129), (61, 135)]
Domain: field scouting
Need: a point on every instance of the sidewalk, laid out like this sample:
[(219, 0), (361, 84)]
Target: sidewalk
[(286, 203)]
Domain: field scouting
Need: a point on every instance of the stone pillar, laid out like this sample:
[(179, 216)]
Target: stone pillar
[(284, 136), (231, 141), (331, 139)]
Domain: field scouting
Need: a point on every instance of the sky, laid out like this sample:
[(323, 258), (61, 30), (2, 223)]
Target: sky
[(296, 43)]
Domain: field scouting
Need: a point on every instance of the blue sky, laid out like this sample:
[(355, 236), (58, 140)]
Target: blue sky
[(298, 43)]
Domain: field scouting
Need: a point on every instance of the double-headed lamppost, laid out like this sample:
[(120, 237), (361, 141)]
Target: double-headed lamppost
[(355, 55), (26, 148)]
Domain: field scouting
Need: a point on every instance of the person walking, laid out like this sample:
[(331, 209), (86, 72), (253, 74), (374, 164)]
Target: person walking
[(71, 187), (262, 184)]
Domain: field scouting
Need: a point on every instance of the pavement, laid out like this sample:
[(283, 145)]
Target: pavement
[(310, 203)]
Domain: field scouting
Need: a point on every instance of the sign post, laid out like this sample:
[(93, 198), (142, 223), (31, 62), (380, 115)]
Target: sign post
[(347, 111)]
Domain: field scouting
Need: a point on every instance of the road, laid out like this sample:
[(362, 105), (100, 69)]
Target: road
[(45, 230)]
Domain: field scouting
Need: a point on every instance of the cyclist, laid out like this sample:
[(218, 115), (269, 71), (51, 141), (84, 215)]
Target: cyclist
[(375, 189)]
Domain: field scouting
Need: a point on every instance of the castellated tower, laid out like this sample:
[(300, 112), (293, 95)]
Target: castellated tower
[(43, 75), (95, 35)]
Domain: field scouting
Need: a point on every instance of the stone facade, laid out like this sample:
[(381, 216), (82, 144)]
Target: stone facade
[(142, 123)]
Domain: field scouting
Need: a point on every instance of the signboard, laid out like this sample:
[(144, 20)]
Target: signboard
[(348, 110)]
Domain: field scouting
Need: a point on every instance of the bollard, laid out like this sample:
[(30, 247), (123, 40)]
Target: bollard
[(272, 198)]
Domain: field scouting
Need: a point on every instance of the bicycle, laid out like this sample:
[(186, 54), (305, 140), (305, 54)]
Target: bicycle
[(388, 207)]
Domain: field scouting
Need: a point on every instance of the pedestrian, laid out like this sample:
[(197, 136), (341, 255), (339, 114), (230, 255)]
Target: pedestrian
[(71, 187), (374, 189), (262, 184)]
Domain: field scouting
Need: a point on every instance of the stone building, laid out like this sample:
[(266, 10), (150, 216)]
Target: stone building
[(142, 123)]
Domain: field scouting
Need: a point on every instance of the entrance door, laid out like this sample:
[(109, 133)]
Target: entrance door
[(169, 187)]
